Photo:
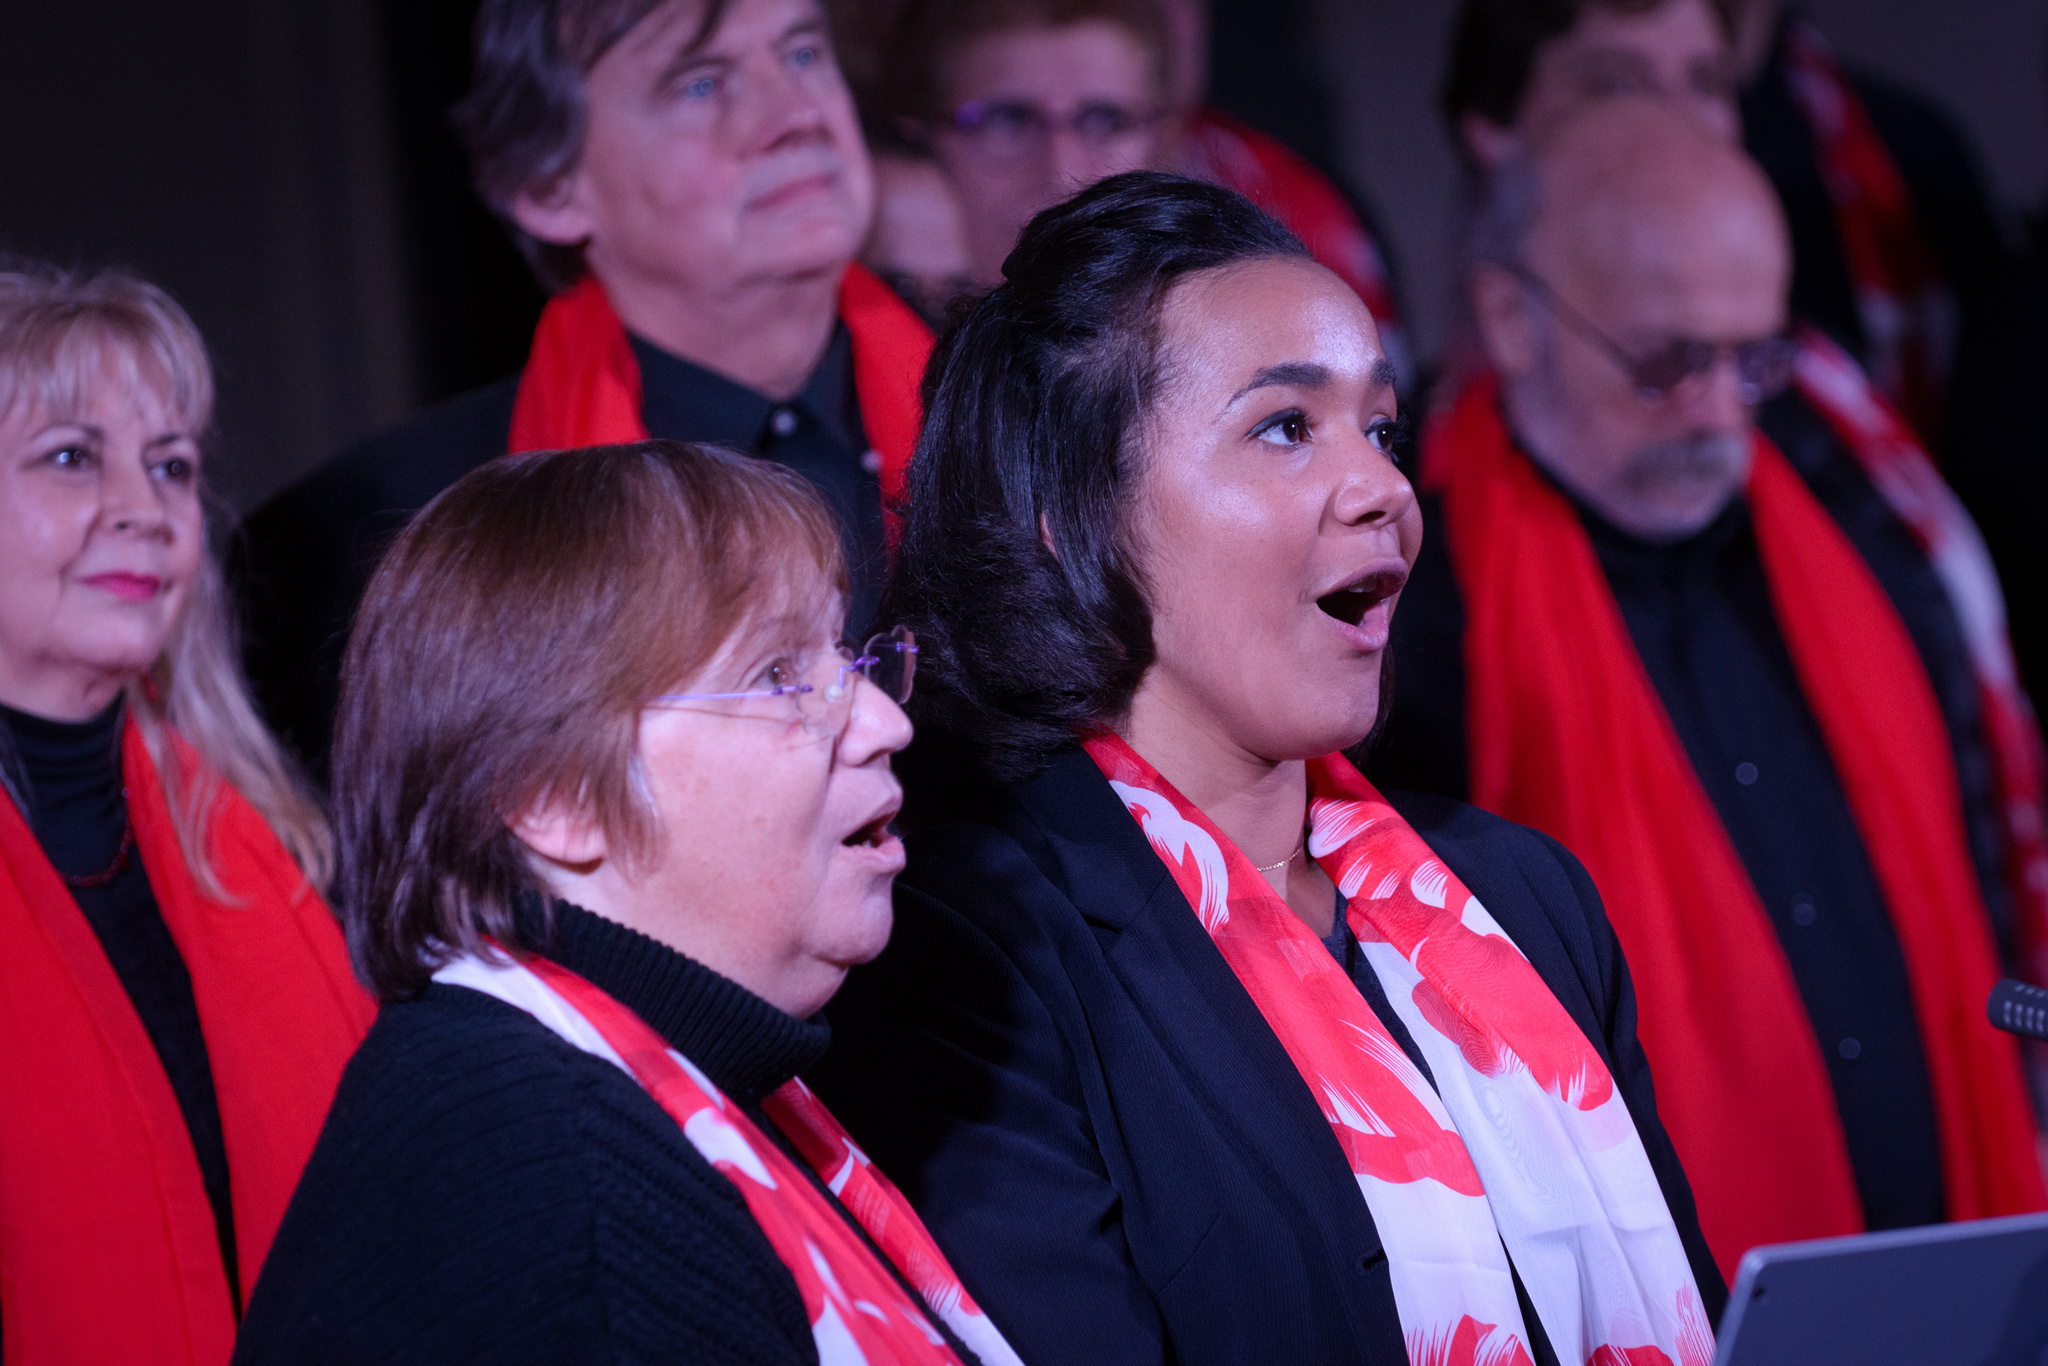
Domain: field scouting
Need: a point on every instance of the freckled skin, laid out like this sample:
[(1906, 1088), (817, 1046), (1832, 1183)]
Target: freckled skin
[(108, 491), (1254, 503)]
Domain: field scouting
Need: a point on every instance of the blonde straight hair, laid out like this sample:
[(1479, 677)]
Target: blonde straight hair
[(64, 338)]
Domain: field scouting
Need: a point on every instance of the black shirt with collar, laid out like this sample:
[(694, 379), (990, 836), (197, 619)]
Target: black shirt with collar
[(1700, 618), (305, 557), (485, 1191)]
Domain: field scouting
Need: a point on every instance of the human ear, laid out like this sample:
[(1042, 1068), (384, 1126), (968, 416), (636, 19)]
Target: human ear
[(553, 210), (563, 833), (1507, 328)]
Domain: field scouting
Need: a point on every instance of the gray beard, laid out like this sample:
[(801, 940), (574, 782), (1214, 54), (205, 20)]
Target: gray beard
[(1701, 458)]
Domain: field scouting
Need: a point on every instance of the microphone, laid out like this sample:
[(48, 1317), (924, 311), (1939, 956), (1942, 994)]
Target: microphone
[(2018, 1008)]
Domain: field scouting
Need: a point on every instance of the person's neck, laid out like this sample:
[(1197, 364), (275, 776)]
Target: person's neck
[(1261, 804), (69, 695), (768, 334)]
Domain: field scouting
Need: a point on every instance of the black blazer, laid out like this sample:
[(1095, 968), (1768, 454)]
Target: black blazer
[(1057, 1066)]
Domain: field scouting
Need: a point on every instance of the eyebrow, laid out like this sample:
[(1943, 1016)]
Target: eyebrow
[(1298, 374), (1302, 374)]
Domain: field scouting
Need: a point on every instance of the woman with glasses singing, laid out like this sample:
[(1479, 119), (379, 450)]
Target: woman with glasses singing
[(1192, 1046), (614, 815)]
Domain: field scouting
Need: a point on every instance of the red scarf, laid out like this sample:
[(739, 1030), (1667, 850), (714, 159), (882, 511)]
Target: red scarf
[(858, 1312), (1908, 313), (1902, 472), (581, 386), (1523, 1142), (1225, 152), (108, 1251), (1567, 734)]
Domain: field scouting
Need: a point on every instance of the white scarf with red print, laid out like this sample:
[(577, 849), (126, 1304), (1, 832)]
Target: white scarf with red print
[(859, 1313), (1525, 1140), (1892, 456)]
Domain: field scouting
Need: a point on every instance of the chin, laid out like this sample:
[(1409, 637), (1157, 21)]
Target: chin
[(815, 241)]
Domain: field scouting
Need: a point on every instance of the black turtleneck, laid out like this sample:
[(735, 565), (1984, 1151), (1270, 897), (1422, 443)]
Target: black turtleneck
[(78, 808), (484, 1191)]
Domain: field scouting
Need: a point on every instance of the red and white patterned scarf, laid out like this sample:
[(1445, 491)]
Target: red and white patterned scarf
[(858, 1312), (1525, 1140), (1896, 463), (1907, 309)]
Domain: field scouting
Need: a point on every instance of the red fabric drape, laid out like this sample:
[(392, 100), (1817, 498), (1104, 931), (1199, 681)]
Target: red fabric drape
[(582, 386), (1568, 735), (107, 1244)]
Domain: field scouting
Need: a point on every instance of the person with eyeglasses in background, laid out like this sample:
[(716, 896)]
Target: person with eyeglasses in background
[(1726, 673), (1023, 102), (615, 812)]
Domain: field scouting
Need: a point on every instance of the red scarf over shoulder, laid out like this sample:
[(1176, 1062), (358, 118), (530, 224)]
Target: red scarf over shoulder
[(107, 1245), (1568, 734), (582, 386)]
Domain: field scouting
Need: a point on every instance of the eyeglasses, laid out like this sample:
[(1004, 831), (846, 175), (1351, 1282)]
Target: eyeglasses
[(1016, 128), (1762, 368), (888, 660)]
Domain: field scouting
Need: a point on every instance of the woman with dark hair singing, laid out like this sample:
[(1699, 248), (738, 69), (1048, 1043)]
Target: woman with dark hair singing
[(1191, 1046), (613, 806)]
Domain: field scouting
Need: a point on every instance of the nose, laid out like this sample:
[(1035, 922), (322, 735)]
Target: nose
[(1078, 163), (1372, 490), (787, 110), (1714, 401), (876, 726), (129, 499)]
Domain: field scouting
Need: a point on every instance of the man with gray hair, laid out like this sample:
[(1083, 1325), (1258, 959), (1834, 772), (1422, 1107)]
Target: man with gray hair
[(688, 178), (1720, 669)]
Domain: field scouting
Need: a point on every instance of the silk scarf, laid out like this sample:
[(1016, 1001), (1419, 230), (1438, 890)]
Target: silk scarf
[(1225, 152), (1567, 734), (1525, 1140), (581, 385), (108, 1251), (1907, 310), (858, 1312), (1899, 467)]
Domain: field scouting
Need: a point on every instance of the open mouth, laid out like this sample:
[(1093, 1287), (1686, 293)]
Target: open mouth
[(1350, 603), (874, 834)]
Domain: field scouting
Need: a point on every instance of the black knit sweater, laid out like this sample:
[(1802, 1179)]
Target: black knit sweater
[(485, 1192)]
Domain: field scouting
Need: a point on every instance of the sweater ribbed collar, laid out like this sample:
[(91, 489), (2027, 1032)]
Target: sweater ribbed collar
[(745, 1045)]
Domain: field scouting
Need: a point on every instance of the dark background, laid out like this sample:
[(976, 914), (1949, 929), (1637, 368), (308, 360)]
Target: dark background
[(285, 168)]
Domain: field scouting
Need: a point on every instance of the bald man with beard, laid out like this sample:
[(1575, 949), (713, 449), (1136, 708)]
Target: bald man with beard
[(1718, 668)]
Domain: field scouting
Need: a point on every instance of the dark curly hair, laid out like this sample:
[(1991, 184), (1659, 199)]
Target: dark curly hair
[(1016, 567)]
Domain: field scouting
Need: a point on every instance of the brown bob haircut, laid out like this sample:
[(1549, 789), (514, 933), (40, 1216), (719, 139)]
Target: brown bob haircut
[(503, 653), (1493, 50), (524, 116), (929, 34)]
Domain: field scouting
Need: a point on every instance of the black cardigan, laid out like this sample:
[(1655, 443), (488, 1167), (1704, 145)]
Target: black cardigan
[(484, 1191), (1057, 1066)]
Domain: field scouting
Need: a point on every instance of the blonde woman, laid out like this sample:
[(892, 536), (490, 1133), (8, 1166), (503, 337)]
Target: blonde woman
[(175, 1000)]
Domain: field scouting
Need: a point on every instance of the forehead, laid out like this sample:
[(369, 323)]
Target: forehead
[(1720, 269), (668, 32), (1676, 31), (90, 379), (1219, 327), (1092, 59)]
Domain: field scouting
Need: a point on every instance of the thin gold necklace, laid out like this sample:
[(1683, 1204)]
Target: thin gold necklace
[(1283, 862)]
